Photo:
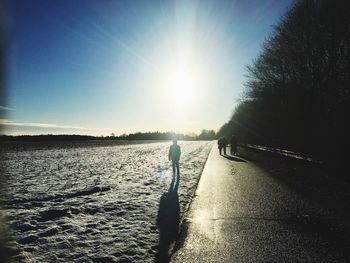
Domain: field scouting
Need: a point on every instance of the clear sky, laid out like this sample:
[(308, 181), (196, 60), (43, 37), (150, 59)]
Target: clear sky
[(101, 66)]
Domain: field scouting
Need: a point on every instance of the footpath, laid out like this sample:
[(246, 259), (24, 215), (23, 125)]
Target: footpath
[(240, 213)]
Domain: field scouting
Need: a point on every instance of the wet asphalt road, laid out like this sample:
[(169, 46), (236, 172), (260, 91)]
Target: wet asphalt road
[(240, 213)]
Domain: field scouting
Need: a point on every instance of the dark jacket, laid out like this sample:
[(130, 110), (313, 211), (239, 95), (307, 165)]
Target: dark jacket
[(174, 153)]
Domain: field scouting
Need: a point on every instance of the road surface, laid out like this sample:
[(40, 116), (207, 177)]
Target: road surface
[(241, 213)]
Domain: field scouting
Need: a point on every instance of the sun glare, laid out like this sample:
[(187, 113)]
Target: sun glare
[(180, 87), (182, 84)]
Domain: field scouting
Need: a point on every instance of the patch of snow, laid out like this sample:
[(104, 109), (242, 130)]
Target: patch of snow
[(94, 204)]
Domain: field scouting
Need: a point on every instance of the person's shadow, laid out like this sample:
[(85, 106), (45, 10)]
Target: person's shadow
[(168, 221), (234, 158)]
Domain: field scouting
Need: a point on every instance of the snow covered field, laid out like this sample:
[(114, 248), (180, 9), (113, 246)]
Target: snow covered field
[(95, 204)]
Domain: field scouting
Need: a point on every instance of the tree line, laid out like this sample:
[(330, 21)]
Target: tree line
[(204, 135), (297, 90)]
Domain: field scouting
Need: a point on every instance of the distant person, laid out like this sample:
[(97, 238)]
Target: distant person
[(233, 143), (222, 143), (174, 156)]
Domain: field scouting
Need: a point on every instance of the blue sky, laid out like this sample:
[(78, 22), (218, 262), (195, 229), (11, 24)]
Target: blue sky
[(97, 66)]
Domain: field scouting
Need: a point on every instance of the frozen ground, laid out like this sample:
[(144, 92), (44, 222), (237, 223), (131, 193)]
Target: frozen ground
[(94, 204)]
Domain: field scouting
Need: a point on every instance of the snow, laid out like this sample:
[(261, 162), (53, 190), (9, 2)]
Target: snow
[(96, 204)]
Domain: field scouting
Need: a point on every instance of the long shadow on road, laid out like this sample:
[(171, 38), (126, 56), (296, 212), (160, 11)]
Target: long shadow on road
[(168, 221), (234, 158)]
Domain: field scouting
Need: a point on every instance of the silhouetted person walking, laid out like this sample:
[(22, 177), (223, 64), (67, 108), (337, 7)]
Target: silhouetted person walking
[(233, 143), (222, 143), (174, 156)]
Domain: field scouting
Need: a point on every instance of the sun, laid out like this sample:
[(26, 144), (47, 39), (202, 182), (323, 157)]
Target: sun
[(181, 86)]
